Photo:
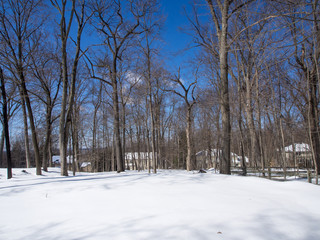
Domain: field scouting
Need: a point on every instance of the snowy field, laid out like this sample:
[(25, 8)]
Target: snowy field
[(167, 205)]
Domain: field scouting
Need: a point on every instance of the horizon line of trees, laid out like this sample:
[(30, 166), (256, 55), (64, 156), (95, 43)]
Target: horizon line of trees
[(93, 74)]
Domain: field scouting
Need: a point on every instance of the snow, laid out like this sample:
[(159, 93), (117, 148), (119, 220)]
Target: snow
[(171, 204)]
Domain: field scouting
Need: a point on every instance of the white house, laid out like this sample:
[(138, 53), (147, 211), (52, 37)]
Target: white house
[(86, 166), (203, 158), (135, 155), (302, 157), (56, 159), (298, 147)]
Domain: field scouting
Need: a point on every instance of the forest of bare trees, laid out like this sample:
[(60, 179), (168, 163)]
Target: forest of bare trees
[(90, 81)]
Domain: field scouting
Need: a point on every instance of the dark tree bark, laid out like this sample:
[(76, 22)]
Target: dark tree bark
[(26, 134), (221, 26), (31, 121), (118, 29), (16, 32), (6, 125), (68, 88), (46, 70), (151, 106), (220, 12), (116, 117), (191, 158), (2, 139), (307, 57)]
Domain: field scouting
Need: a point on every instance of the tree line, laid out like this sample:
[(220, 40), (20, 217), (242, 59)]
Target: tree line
[(90, 79)]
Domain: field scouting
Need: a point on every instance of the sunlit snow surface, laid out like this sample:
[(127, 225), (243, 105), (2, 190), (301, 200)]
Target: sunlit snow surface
[(166, 205)]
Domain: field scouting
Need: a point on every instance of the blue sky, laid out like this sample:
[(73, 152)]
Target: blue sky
[(175, 41)]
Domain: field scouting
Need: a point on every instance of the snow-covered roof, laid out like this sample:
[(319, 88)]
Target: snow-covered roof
[(85, 164), (299, 147)]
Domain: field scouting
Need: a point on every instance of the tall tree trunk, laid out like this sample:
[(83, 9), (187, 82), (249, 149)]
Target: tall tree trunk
[(243, 160), (191, 163), (151, 109), (94, 162), (225, 164), (220, 13), (63, 135), (25, 93), (259, 149), (153, 137), (178, 143), (314, 120), (50, 152), (148, 149), (32, 125), (254, 151), (158, 142), (133, 159), (26, 134), (113, 159), (124, 136), (188, 133), (75, 142), (75, 139), (313, 124), (283, 152), (1, 147), (48, 135), (6, 125), (116, 118), (222, 33), (67, 101)]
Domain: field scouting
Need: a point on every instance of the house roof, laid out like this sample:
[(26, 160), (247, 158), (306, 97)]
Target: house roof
[(85, 164)]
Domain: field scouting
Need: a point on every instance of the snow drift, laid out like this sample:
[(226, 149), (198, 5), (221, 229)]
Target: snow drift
[(167, 205)]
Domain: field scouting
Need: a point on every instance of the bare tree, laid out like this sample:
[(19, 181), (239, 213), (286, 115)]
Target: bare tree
[(118, 22), (250, 53), (218, 45), (19, 22), (304, 27), (13, 105), (151, 24), (187, 93), (68, 85), (222, 33), (96, 94), (5, 124), (46, 69)]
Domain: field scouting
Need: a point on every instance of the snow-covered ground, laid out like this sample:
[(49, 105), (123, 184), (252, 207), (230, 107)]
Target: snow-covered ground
[(166, 205)]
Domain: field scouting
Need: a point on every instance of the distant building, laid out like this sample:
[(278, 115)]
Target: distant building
[(136, 155), (56, 160), (135, 159), (86, 167), (204, 160), (299, 152)]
